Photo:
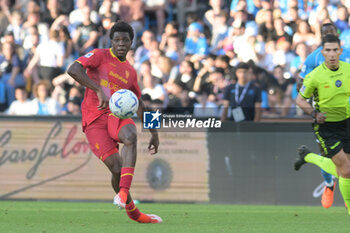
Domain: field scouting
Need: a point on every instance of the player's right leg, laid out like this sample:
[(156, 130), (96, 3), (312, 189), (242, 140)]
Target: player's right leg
[(328, 191), (114, 164)]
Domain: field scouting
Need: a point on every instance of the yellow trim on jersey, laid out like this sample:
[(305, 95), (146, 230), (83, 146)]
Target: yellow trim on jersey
[(131, 210), (127, 174), (112, 54), (79, 62)]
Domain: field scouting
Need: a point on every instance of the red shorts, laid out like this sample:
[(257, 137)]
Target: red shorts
[(102, 134)]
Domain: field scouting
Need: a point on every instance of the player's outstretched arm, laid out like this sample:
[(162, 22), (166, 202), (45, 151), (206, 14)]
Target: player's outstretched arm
[(154, 141), (78, 73)]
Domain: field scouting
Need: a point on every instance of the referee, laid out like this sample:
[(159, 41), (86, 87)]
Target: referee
[(330, 85)]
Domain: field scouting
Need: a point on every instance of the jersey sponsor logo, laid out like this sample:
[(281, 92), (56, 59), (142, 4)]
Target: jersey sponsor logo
[(338, 83), (117, 76), (114, 87), (89, 55)]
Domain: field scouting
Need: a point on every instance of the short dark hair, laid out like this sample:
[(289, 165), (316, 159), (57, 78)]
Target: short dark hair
[(121, 26), (219, 70), (326, 25), (23, 88), (330, 39), (242, 65)]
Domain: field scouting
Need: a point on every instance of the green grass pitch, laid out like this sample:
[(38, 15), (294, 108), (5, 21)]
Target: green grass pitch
[(76, 217)]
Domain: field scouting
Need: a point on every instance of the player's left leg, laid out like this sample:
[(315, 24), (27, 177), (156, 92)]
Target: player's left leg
[(124, 130)]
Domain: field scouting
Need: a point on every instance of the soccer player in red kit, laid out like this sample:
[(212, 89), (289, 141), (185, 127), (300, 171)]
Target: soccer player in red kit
[(104, 71)]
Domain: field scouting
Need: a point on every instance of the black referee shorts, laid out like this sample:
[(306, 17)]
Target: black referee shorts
[(333, 136)]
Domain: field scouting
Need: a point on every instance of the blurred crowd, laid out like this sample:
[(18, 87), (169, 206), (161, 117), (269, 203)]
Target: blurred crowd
[(185, 51)]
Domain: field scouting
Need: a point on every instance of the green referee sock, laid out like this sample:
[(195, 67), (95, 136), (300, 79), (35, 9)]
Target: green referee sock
[(325, 163), (344, 186)]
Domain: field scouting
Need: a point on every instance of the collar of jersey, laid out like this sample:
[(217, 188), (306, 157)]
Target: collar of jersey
[(111, 52)]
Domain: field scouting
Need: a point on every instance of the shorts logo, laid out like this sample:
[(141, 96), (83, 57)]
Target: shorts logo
[(88, 55), (338, 83), (151, 120)]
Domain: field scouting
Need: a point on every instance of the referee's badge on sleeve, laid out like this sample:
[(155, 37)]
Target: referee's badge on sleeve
[(302, 89)]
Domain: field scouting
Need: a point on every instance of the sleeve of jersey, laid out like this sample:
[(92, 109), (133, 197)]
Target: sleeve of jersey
[(135, 87), (306, 68), (91, 59), (308, 87)]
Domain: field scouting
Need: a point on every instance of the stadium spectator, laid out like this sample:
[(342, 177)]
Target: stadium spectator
[(291, 18), (266, 28), (22, 105), (243, 99), (151, 85), (86, 34), (49, 57), (202, 82), (219, 33), (195, 42), (165, 65), (186, 77), (174, 49), (283, 96), (73, 107), (250, 6), (142, 53), (205, 108), (323, 9), (211, 14), (76, 16), (217, 86), (301, 51), (67, 42), (43, 104), (171, 28), (223, 62), (16, 27), (342, 18), (10, 71), (132, 11), (304, 34), (156, 7)]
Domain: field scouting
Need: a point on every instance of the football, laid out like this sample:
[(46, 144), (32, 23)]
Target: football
[(123, 103)]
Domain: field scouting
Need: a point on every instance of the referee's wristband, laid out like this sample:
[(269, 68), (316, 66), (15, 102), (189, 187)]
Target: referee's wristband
[(314, 114)]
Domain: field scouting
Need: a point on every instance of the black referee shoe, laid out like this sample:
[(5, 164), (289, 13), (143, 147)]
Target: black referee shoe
[(302, 151)]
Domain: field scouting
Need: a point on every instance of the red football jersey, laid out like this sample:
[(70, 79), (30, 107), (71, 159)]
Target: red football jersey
[(106, 70)]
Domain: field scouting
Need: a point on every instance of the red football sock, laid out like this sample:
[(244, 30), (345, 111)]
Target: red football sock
[(126, 176), (132, 211)]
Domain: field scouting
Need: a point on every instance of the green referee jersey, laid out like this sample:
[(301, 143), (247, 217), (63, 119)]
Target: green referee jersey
[(331, 90)]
